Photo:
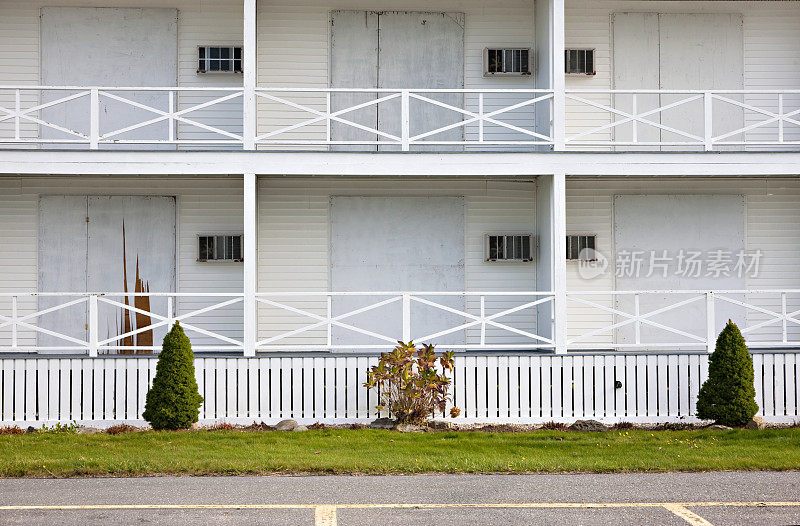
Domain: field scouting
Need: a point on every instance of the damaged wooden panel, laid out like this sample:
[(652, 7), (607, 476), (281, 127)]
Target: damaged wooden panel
[(119, 244), (131, 249)]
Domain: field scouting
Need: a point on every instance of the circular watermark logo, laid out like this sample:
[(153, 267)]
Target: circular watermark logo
[(591, 264)]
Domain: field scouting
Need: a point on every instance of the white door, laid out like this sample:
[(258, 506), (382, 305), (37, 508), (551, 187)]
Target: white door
[(101, 46), (397, 49), (397, 244), (121, 244), (677, 52)]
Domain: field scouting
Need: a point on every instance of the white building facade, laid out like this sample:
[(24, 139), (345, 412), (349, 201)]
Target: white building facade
[(574, 196)]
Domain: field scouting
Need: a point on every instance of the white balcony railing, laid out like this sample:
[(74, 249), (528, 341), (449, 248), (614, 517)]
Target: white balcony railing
[(377, 320), (116, 323), (683, 119), (681, 319), (399, 119), (646, 320)]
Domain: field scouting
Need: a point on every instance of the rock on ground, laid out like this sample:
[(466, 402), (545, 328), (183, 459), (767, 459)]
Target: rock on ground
[(588, 425), (382, 423), (286, 425), (755, 423)]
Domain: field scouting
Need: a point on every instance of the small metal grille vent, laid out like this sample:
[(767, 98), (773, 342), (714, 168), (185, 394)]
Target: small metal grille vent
[(219, 247), (579, 61), (507, 61), (509, 247), (581, 247)]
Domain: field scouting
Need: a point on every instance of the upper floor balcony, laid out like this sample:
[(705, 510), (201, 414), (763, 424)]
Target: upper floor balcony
[(448, 76)]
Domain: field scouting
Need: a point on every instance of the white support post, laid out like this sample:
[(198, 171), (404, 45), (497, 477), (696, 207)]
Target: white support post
[(405, 118), (93, 326), (94, 119), (249, 106), (250, 265), (708, 128), (558, 79), (711, 330), (559, 232)]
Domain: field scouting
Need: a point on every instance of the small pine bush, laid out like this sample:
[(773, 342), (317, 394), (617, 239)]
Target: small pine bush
[(728, 396), (173, 401)]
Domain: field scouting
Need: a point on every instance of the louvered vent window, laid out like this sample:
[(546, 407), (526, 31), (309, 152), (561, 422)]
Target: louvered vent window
[(219, 247), (581, 247), (219, 59), (579, 61), (509, 247), (507, 61)]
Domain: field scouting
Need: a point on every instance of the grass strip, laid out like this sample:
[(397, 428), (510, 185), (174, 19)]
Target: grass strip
[(369, 451)]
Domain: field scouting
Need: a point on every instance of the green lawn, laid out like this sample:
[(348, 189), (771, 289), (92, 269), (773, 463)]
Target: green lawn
[(375, 451)]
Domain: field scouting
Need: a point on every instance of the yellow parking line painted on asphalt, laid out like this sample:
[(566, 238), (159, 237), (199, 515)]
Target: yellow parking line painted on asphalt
[(689, 516), (398, 505), (325, 516)]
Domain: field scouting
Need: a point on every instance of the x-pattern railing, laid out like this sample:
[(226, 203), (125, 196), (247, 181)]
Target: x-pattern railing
[(91, 305), (755, 305), (179, 107), (480, 320), (407, 117), (486, 117), (727, 109)]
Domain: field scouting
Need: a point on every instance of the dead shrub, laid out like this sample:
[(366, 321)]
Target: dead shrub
[(222, 426), (624, 425), (120, 428), (554, 426), (11, 430)]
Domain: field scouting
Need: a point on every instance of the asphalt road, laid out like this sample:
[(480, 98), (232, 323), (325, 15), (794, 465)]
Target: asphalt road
[(673, 498)]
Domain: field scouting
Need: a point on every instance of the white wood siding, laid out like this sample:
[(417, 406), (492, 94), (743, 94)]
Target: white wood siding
[(293, 50), (772, 219), (210, 205), (294, 242), (771, 54), (199, 22)]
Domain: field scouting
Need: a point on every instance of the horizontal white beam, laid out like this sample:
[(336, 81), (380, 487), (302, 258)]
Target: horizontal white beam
[(26, 162)]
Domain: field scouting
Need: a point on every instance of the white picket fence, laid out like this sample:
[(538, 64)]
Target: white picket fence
[(520, 387)]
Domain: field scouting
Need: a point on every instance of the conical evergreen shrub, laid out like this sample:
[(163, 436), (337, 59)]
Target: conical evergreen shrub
[(173, 401), (728, 396)]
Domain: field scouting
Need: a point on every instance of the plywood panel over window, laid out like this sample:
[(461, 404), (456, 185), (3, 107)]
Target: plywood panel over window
[(91, 46), (398, 244), (394, 50), (674, 51)]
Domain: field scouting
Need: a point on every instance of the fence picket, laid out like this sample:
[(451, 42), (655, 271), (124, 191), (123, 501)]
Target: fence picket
[(286, 387), (252, 388), (547, 387), (19, 390), (791, 385), (619, 393), (556, 378), (769, 384), (263, 384), (210, 395), (779, 393), (275, 387), (492, 387), (30, 391)]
